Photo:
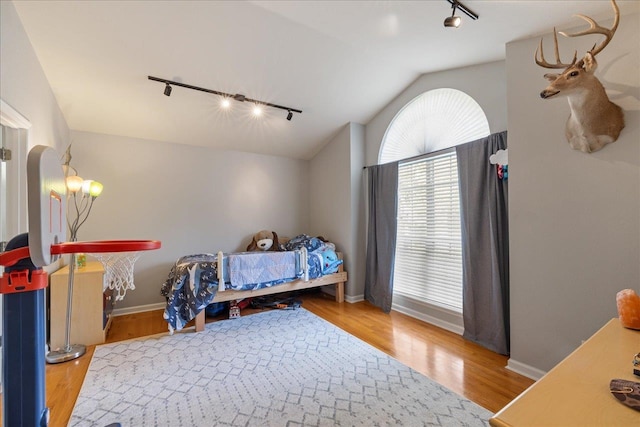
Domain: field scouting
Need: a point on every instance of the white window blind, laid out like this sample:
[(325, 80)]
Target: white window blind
[(428, 264)]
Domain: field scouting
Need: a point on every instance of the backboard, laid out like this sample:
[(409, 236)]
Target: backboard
[(47, 204)]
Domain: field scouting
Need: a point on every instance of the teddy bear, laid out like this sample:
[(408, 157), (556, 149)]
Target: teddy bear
[(265, 240)]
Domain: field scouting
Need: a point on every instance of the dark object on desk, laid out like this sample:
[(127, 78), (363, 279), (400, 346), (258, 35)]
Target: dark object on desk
[(627, 392)]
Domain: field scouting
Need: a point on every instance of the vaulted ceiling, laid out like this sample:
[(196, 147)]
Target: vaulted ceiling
[(337, 61)]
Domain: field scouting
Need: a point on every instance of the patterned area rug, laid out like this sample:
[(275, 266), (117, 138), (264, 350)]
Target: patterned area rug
[(277, 368)]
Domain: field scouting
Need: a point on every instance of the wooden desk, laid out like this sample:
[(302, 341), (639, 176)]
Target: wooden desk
[(576, 391)]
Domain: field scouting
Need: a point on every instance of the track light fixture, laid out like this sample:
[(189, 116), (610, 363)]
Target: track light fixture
[(452, 21), (455, 21), (226, 97)]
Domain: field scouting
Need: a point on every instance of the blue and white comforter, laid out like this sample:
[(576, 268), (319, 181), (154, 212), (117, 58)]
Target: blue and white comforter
[(191, 285)]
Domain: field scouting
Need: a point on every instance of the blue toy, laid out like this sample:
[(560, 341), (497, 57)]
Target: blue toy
[(330, 261)]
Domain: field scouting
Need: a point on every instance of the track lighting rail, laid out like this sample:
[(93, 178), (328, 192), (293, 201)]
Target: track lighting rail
[(457, 5), (237, 96)]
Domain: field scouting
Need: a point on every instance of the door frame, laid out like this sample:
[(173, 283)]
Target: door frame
[(15, 137)]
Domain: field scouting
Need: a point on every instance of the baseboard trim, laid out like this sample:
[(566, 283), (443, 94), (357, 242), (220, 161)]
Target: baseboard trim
[(451, 327), (353, 299), (329, 290), (138, 309), (524, 369)]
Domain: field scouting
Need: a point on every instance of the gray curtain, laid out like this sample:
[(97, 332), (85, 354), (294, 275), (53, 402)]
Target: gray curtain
[(381, 234), (485, 244)]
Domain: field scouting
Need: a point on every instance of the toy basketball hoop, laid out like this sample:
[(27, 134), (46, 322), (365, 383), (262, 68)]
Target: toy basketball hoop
[(118, 258), (23, 284)]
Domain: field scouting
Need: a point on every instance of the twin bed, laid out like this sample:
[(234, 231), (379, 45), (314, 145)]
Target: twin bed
[(195, 281)]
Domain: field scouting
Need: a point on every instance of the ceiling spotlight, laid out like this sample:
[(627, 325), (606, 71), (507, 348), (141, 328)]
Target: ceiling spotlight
[(225, 103), (167, 90), (452, 21), (289, 115), (257, 111), (455, 21)]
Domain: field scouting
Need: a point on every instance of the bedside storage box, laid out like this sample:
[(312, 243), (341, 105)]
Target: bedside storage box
[(91, 307)]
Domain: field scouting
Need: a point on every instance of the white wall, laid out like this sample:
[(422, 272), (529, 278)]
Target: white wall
[(336, 200), (574, 217), (24, 86), (485, 83), (193, 199), (358, 248)]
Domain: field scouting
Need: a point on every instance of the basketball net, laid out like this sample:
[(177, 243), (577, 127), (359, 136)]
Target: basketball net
[(118, 271)]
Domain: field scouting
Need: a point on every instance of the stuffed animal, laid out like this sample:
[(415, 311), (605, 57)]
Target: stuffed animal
[(330, 261), (264, 240)]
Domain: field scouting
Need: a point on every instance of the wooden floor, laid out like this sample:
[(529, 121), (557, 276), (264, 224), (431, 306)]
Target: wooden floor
[(445, 357)]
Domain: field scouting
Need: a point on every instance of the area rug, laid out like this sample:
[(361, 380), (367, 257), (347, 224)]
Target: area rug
[(276, 368)]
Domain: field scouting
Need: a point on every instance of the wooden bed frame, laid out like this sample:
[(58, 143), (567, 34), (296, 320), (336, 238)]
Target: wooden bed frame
[(330, 279)]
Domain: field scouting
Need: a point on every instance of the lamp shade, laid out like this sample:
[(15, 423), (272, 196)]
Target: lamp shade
[(74, 183), (95, 188), (85, 185)]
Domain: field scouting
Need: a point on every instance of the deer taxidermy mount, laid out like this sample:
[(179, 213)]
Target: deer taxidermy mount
[(594, 120)]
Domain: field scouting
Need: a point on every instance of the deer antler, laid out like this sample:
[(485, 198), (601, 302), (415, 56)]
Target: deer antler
[(594, 28), (543, 63)]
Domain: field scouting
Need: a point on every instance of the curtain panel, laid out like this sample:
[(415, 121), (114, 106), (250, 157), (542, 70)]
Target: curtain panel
[(485, 244), (382, 196)]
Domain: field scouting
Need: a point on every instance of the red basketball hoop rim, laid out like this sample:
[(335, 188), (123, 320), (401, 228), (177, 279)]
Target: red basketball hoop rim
[(101, 246)]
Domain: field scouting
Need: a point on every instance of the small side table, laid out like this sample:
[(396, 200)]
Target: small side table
[(91, 309)]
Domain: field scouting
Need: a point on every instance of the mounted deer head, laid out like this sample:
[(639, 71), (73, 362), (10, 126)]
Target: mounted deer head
[(594, 120)]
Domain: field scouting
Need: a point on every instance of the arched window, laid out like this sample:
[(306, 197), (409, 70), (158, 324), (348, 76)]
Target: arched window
[(428, 262), (433, 121)]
